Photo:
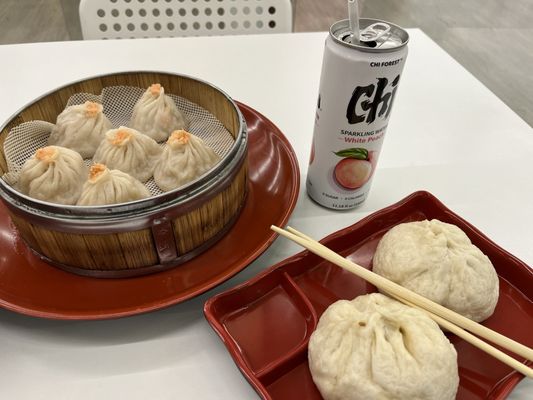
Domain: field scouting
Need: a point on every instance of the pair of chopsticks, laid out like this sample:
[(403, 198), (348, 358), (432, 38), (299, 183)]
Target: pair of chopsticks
[(446, 318)]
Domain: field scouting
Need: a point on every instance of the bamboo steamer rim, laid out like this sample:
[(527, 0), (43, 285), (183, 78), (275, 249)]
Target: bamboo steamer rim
[(110, 214)]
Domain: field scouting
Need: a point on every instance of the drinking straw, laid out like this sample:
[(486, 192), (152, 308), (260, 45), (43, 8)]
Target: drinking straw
[(353, 15)]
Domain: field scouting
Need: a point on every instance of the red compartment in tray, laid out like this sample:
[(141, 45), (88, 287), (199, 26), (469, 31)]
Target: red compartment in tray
[(266, 322)]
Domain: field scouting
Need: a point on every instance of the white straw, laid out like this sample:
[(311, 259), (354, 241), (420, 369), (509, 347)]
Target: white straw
[(353, 15)]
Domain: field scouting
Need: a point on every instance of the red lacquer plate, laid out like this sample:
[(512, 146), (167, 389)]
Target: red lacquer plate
[(30, 286), (266, 322)]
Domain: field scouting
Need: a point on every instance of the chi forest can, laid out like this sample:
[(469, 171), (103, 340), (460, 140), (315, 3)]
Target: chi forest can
[(357, 88)]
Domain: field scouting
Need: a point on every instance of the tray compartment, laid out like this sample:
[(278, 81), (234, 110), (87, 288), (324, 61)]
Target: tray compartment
[(294, 382), (264, 337)]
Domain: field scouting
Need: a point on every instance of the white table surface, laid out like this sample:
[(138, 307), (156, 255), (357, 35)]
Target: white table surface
[(448, 134)]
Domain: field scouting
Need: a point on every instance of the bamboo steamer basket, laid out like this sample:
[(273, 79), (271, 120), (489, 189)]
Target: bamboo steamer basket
[(145, 236)]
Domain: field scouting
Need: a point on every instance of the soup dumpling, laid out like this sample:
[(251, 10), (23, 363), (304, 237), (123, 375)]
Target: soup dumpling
[(185, 158), (130, 151), (54, 174), (107, 186), (155, 114), (80, 128)]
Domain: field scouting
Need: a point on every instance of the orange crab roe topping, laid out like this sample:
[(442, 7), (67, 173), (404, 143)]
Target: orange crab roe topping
[(121, 137), (92, 109), (179, 137), (155, 89), (96, 171), (46, 154)]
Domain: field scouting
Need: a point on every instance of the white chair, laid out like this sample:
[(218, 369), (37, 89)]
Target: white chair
[(114, 19)]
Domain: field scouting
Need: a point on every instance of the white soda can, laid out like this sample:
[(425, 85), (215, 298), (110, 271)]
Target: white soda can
[(357, 88)]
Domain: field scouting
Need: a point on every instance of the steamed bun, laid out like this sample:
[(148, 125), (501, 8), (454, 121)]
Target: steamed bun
[(438, 261), (374, 347)]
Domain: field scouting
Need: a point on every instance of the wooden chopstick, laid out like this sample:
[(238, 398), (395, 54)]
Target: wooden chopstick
[(415, 299), (473, 340)]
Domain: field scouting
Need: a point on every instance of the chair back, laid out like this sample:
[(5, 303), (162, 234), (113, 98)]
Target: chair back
[(114, 19)]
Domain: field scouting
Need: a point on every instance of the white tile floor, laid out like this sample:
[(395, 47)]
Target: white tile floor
[(493, 39)]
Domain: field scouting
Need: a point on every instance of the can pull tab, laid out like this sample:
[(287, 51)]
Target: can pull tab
[(373, 32)]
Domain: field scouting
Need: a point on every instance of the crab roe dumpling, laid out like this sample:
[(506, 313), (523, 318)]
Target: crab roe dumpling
[(129, 151), (184, 159), (107, 186), (80, 128), (55, 174), (155, 114)]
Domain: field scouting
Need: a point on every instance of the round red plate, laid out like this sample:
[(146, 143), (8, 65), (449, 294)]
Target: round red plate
[(30, 286)]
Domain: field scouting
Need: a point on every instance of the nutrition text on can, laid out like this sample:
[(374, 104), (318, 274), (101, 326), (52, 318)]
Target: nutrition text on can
[(358, 84)]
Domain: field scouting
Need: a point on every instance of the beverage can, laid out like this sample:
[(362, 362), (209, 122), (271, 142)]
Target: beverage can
[(358, 84)]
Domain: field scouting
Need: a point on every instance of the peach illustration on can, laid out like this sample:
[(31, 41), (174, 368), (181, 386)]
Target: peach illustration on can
[(354, 169)]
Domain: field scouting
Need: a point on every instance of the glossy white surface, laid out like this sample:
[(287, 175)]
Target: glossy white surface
[(448, 134)]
